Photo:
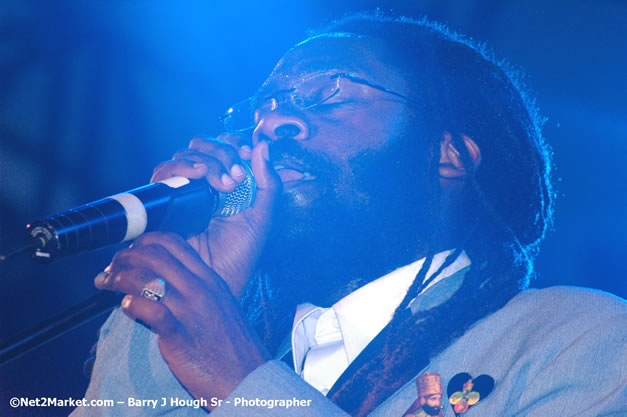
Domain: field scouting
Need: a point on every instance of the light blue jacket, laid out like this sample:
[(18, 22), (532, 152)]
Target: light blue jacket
[(553, 352)]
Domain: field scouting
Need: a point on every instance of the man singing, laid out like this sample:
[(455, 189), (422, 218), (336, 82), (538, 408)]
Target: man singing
[(403, 187)]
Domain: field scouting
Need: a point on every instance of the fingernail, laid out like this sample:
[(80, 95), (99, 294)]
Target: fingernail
[(245, 148), (237, 171), (199, 166), (227, 181), (265, 151), (126, 301), (100, 278)]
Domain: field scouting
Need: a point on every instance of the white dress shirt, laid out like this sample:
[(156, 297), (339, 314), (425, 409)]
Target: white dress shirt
[(326, 340)]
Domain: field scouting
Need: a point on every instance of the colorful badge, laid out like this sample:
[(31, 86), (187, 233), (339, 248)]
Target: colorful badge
[(464, 391), (429, 401)]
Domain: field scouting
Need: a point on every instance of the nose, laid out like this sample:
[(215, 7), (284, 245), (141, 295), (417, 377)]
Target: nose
[(277, 125)]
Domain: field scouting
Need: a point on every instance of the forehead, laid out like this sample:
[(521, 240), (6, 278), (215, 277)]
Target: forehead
[(358, 55)]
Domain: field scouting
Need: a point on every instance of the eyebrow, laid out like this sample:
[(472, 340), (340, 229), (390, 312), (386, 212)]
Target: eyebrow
[(272, 87), (299, 71), (302, 69)]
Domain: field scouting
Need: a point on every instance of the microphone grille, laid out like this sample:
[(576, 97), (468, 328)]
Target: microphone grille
[(230, 204)]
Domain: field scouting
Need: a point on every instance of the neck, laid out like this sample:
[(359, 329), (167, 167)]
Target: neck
[(323, 274)]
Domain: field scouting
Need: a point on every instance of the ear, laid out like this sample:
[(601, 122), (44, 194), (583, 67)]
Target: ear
[(451, 165)]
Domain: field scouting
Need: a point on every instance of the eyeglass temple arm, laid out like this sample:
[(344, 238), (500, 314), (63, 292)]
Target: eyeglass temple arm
[(359, 80)]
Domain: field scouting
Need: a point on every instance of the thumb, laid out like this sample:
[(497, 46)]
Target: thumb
[(267, 180)]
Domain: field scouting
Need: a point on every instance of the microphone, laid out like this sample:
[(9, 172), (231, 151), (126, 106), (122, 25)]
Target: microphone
[(175, 204)]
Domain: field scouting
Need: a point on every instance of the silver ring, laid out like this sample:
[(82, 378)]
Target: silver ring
[(154, 290)]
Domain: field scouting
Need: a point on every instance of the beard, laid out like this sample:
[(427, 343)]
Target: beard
[(432, 411), (354, 231)]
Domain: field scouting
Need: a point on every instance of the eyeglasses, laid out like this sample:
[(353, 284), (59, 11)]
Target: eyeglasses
[(306, 94)]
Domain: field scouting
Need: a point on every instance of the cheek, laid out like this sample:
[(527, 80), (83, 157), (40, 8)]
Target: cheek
[(353, 143), (433, 402), (355, 133)]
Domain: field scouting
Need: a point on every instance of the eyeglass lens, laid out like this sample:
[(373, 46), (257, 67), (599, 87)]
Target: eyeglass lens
[(305, 94)]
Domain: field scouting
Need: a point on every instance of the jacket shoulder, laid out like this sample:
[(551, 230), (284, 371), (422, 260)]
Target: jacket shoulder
[(575, 303)]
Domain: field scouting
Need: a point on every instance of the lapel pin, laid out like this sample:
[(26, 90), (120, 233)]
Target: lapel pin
[(464, 391), (429, 401)]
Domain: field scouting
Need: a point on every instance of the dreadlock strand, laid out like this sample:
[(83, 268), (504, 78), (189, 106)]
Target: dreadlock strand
[(433, 212)]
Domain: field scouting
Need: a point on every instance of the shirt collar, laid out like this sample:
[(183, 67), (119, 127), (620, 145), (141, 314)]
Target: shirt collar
[(361, 315)]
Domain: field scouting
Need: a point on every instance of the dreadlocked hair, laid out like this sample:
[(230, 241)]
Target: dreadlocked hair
[(508, 201)]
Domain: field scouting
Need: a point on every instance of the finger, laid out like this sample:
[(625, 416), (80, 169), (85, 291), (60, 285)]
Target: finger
[(159, 261), (267, 180), (219, 149), (235, 139), (181, 167), (243, 143), (154, 314), (235, 171), (223, 152), (212, 170), (473, 149), (179, 248), (245, 152), (126, 280)]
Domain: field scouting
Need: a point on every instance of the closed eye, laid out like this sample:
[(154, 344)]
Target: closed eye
[(337, 104)]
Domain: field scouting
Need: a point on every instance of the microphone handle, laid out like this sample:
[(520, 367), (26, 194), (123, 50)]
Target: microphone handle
[(174, 205)]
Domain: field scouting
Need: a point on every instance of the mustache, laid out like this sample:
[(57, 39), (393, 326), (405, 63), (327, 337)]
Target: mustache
[(290, 149)]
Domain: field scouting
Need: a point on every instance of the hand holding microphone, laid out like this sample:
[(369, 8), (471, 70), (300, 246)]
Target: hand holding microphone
[(202, 333), (230, 245), (175, 204), (213, 178)]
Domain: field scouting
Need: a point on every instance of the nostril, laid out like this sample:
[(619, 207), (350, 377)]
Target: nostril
[(287, 130)]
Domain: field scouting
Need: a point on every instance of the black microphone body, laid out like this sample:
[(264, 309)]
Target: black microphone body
[(175, 205)]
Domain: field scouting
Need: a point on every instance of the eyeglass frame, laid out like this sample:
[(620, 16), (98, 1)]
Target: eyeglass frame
[(338, 75)]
